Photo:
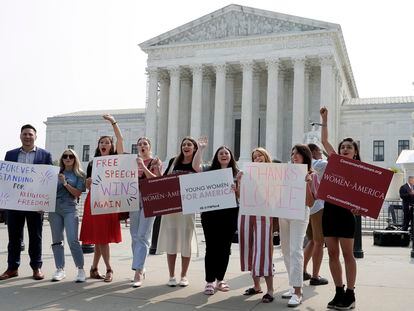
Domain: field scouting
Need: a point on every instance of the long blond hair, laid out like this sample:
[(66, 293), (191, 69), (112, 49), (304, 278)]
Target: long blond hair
[(264, 152), (77, 168)]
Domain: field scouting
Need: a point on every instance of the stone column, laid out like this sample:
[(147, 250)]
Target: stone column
[(173, 108), (272, 106), (229, 130), (306, 118), (151, 109), (184, 113), (327, 93), (161, 150), (298, 109), (207, 120), (196, 101), (256, 108), (219, 106), (246, 112)]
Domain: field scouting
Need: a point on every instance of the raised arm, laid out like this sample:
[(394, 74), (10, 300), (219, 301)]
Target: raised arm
[(198, 157), (117, 132), (324, 132)]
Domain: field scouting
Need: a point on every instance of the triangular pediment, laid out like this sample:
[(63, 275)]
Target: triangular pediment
[(236, 21)]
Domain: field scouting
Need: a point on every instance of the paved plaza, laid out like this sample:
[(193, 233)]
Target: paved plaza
[(385, 282)]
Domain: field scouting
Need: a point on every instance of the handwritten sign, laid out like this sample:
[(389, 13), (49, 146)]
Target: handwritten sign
[(161, 195), (273, 189), (28, 187), (114, 184), (208, 191), (355, 185)]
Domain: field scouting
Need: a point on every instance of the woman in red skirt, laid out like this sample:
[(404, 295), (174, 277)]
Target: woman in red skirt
[(102, 229)]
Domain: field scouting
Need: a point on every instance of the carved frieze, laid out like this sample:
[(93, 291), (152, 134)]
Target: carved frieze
[(236, 24)]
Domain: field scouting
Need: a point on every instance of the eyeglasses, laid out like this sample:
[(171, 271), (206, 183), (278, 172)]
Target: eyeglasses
[(68, 156)]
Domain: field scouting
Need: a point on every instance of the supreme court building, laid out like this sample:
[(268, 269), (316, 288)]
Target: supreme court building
[(245, 77)]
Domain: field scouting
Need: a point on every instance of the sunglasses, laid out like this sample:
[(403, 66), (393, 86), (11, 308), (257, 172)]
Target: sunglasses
[(68, 156)]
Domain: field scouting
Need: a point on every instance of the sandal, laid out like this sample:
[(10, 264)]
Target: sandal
[(108, 275), (267, 298), (222, 286), (252, 291), (209, 289), (94, 274)]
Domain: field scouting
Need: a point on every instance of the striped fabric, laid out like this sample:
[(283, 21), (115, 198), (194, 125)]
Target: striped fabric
[(256, 244)]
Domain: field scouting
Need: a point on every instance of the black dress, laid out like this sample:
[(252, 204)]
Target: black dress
[(337, 221)]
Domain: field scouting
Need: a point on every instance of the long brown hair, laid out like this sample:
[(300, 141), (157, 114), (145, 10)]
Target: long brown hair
[(306, 154), (215, 164), (111, 151)]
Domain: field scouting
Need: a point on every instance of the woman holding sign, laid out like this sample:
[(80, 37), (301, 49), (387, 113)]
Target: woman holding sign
[(70, 186), (177, 230), (219, 228), (256, 242), (141, 227), (292, 231), (338, 228), (102, 229)]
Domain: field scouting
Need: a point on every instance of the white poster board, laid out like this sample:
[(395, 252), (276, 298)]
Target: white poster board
[(207, 191), (114, 186), (273, 189), (28, 187)]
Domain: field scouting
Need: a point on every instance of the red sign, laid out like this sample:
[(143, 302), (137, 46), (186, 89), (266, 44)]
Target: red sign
[(355, 185), (161, 195)]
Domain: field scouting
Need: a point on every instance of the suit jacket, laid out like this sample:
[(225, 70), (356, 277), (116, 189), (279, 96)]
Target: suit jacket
[(406, 197), (41, 157)]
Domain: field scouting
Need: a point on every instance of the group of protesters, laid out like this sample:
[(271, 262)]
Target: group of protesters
[(323, 224)]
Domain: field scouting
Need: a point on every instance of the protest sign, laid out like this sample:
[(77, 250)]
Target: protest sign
[(208, 191), (355, 185), (161, 195), (273, 189), (28, 187), (114, 186)]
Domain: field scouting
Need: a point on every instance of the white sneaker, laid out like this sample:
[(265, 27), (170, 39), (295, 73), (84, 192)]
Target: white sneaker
[(183, 282), (294, 301), (172, 282), (81, 277), (288, 294), (58, 275)]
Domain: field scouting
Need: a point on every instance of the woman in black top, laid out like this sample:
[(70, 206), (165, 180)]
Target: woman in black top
[(338, 228), (219, 228)]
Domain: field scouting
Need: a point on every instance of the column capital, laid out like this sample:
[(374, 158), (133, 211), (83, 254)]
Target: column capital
[(196, 68), (299, 61), (152, 72), (174, 71), (326, 60), (220, 67), (272, 63), (247, 65)]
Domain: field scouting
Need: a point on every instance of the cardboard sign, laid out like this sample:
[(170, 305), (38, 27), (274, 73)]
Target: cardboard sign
[(28, 187), (114, 184), (208, 191), (355, 185), (161, 195), (273, 189)]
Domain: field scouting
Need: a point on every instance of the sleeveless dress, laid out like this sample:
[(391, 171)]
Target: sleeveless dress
[(98, 229), (176, 233)]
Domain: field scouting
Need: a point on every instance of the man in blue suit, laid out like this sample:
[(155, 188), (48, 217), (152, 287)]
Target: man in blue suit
[(30, 154)]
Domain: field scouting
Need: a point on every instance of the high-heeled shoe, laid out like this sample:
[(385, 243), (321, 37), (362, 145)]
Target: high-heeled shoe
[(108, 275), (138, 280), (94, 274)]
